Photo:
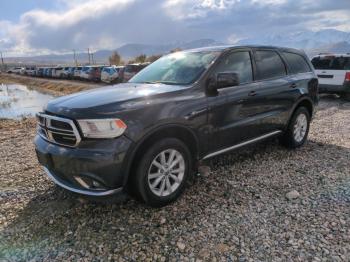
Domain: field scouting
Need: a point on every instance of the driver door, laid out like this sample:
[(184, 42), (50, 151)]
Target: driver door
[(232, 111)]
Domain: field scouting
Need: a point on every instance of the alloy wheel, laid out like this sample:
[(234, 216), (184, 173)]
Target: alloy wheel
[(166, 172), (300, 128)]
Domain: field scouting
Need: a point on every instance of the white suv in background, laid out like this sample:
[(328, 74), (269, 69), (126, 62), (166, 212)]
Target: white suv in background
[(110, 74), (333, 73)]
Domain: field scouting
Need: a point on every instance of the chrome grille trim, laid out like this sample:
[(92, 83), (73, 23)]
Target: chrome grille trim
[(46, 130)]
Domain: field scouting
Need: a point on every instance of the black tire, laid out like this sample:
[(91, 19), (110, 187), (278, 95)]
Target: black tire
[(288, 139), (345, 96), (139, 182)]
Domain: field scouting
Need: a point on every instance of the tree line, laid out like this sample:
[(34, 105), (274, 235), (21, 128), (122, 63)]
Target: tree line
[(116, 59)]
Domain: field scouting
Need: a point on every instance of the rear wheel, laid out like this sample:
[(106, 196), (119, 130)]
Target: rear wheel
[(298, 129), (345, 96), (163, 172)]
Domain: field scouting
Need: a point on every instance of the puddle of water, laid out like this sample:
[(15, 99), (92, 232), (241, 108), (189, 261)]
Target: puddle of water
[(17, 101)]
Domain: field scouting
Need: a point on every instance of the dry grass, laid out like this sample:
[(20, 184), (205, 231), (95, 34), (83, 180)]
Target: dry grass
[(51, 86)]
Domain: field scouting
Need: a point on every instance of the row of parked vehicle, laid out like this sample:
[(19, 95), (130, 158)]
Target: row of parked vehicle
[(96, 73)]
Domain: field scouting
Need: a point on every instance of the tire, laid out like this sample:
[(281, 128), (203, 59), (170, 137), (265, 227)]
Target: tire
[(345, 96), (292, 139), (166, 189)]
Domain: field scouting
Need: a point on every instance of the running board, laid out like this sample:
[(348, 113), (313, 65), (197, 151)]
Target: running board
[(242, 144)]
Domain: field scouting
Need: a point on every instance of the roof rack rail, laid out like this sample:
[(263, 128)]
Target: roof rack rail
[(326, 53)]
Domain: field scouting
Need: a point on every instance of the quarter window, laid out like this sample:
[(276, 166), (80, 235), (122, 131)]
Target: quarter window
[(269, 64), (237, 62), (297, 63)]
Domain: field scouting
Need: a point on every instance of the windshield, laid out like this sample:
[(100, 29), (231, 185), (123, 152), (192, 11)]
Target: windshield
[(181, 68)]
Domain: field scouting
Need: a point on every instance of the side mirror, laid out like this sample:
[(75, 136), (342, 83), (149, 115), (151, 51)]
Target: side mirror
[(226, 79), (221, 80)]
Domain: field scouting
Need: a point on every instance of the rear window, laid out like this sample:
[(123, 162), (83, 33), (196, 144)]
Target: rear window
[(270, 64), (331, 63), (297, 63)]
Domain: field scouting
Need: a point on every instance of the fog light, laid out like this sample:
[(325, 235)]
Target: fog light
[(96, 184), (89, 183)]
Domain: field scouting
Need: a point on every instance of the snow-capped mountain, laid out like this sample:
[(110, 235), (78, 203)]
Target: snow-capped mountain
[(328, 40), (307, 40)]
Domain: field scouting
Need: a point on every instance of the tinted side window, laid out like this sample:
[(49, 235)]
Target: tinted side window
[(238, 62), (269, 65), (296, 63)]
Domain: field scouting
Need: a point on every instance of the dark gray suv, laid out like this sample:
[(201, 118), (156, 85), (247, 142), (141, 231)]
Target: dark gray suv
[(146, 136)]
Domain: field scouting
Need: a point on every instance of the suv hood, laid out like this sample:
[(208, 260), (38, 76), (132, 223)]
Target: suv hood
[(106, 101)]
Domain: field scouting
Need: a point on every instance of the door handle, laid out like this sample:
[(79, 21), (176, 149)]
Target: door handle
[(252, 93), (294, 85), (195, 113)]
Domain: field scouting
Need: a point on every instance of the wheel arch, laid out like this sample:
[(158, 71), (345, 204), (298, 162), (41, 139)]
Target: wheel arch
[(305, 102), (183, 133)]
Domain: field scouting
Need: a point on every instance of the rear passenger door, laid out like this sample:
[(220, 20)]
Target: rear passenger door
[(302, 78), (276, 93)]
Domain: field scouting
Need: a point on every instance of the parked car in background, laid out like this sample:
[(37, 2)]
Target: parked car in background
[(57, 72), (111, 74), (28, 70), (46, 72), (39, 72), (31, 71), (68, 72), (147, 136), (77, 72), (15, 70), (50, 72), (333, 72), (132, 69), (95, 73), (84, 73), (91, 73)]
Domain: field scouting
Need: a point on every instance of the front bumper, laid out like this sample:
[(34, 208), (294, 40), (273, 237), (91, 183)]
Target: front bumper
[(94, 168), (67, 186)]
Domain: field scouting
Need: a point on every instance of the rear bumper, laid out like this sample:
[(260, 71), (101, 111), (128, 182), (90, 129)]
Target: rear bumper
[(345, 88)]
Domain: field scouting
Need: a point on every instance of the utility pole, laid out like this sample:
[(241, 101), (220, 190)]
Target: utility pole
[(89, 55), (2, 61), (92, 58), (75, 58)]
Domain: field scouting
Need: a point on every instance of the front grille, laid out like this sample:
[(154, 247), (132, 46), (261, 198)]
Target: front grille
[(58, 130)]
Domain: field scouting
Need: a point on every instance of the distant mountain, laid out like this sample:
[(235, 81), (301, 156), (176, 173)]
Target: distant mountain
[(328, 40), (127, 52), (337, 48)]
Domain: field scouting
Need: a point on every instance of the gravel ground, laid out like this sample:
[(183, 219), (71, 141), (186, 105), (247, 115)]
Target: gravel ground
[(262, 203)]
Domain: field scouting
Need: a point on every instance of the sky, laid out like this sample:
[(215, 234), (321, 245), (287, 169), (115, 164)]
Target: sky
[(34, 27)]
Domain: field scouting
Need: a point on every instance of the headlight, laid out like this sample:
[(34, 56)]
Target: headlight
[(102, 128)]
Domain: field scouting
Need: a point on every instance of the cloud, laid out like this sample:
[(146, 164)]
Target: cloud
[(101, 24)]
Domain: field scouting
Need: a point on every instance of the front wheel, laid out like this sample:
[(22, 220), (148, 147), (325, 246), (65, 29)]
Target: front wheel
[(298, 129), (163, 171)]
